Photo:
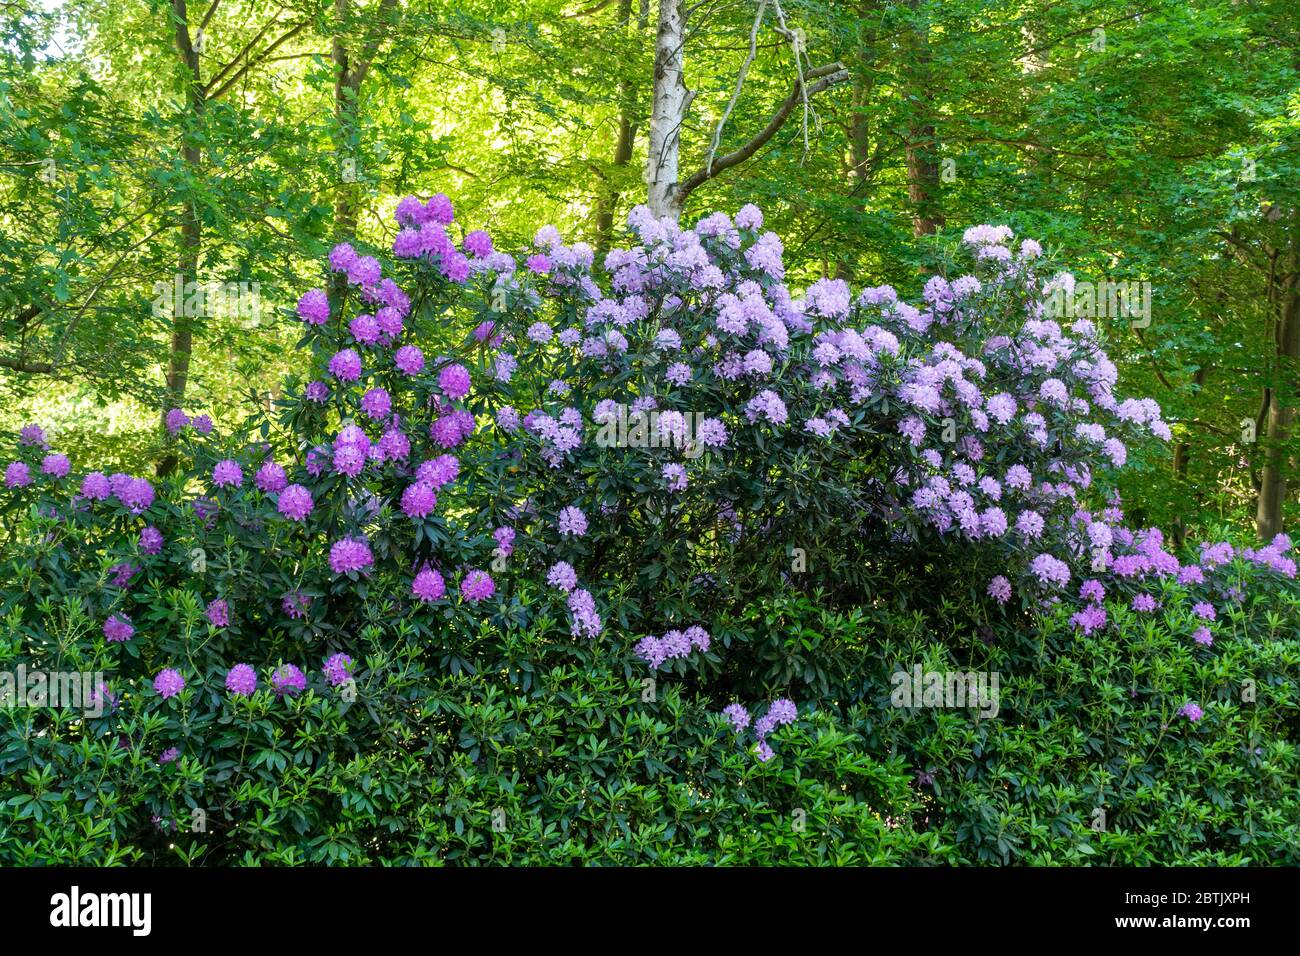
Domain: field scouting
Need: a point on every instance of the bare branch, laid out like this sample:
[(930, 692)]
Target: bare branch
[(797, 46), (244, 51), (589, 11), (254, 61), (824, 76), (212, 8), (1245, 252), (740, 83)]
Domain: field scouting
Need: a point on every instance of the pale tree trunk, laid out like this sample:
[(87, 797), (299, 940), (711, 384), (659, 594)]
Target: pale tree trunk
[(668, 111), (667, 189), (1281, 412), (348, 74)]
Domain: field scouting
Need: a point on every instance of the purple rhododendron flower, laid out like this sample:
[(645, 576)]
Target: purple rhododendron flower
[(365, 329), (95, 487), (783, 711), (428, 585), (288, 680), (219, 613), (227, 474), (295, 503), (1050, 570), (454, 380), (737, 716), (419, 500), (376, 403), (348, 555), (241, 680), (137, 495), (439, 471), (346, 365), (314, 307), (337, 669), (409, 360), (151, 540), (18, 475), (56, 465), (1090, 618), (118, 628), (295, 605), (572, 522), (478, 243), (33, 435), (562, 576), (168, 683), (270, 478), (476, 586)]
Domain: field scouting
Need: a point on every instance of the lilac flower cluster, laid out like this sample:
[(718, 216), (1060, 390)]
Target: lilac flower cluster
[(673, 645), (780, 712)]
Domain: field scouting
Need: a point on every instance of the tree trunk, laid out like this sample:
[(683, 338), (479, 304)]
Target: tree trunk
[(1281, 413), (347, 90), (668, 111), (922, 149), (861, 168), (1182, 456), (191, 244), (608, 203)]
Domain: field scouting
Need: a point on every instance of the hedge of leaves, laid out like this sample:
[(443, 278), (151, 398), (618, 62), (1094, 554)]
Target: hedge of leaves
[(564, 563)]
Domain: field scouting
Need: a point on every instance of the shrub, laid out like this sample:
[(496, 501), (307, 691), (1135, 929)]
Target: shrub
[(519, 536)]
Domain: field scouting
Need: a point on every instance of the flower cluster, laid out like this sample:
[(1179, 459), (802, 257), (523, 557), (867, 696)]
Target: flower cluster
[(780, 712), (672, 645)]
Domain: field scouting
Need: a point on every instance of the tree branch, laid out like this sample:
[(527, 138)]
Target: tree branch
[(1247, 254), (740, 84), (589, 11), (208, 16), (33, 368), (243, 52), (253, 61), (824, 77)]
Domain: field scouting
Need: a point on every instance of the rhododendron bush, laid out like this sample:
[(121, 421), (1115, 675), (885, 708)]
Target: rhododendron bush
[(501, 475)]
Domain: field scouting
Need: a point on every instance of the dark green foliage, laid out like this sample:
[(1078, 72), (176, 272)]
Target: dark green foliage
[(576, 760)]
